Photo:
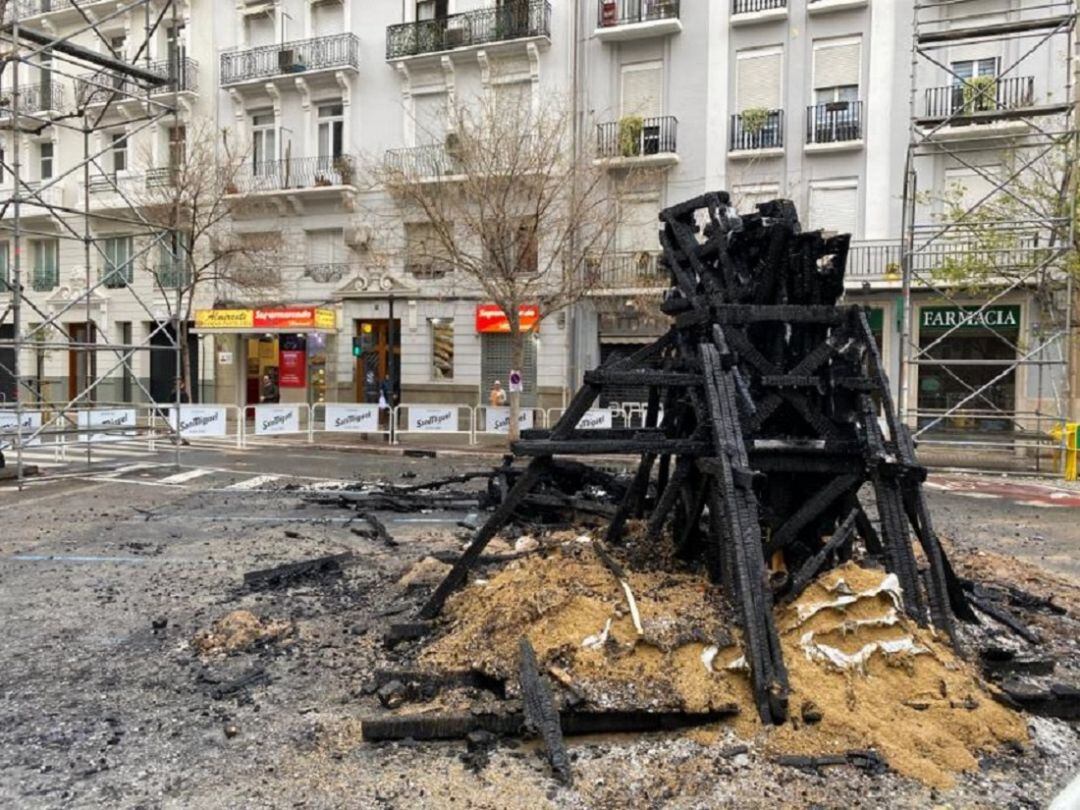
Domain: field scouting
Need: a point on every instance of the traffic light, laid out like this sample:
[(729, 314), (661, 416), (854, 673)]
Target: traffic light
[(357, 346)]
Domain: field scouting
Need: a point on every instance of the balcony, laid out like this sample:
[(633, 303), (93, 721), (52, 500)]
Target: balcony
[(879, 260), (526, 19), (982, 106), (748, 12), (100, 87), (62, 10), (301, 57), (33, 99), (631, 270), (296, 175), (622, 20), (757, 133), (44, 279), (824, 6), (634, 141), (114, 191), (172, 275), (116, 278), (875, 259), (432, 162), (833, 126)]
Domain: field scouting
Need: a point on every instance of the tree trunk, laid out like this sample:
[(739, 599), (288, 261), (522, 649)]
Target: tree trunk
[(517, 363), (184, 381)]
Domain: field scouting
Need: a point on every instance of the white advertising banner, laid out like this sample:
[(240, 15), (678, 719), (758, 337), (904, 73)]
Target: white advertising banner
[(274, 419), (497, 420), (597, 419), (10, 427), (433, 419), (353, 418), (116, 420), (197, 420)]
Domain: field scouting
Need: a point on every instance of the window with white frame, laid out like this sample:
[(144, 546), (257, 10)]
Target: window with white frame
[(642, 89), (834, 206), (263, 142), (117, 269), (967, 188), (423, 251), (325, 246), (837, 69), (331, 131), (46, 273), (5, 266), (970, 68), (746, 198), (430, 118)]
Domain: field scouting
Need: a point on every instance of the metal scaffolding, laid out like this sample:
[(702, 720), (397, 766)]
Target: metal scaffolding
[(39, 67), (1006, 119)]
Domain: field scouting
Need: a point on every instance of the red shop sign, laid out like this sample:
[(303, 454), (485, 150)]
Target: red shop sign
[(491, 319), (284, 318)]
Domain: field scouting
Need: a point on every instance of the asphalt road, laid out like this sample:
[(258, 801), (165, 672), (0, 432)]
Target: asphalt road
[(107, 574)]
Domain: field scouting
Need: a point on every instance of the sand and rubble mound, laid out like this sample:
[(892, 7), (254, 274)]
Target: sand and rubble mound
[(869, 677), (240, 630)]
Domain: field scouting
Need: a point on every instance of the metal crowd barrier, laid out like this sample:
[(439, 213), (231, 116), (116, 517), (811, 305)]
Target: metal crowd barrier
[(492, 420), (355, 419), (434, 420)]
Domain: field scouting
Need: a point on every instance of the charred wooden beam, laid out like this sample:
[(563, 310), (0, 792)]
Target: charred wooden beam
[(812, 566), (541, 716), (600, 447), (289, 573), (811, 509), (671, 379)]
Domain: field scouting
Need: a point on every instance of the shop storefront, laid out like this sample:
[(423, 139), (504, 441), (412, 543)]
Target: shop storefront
[(964, 350), (496, 351), (280, 354)]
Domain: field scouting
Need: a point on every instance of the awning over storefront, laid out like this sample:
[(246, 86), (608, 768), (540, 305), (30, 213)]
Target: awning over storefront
[(273, 321)]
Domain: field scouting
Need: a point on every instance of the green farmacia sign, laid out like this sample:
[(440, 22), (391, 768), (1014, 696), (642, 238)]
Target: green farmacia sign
[(1000, 318)]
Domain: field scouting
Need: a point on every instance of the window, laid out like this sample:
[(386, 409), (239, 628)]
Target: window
[(638, 225), (331, 132), (177, 147), (747, 198), (117, 271), (45, 154), (127, 379), (442, 348), (3, 162), (118, 42), (974, 85), (263, 142), (836, 70), (642, 89), (758, 79), (423, 251), (172, 266), (45, 273), (834, 206), (119, 151), (430, 10), (966, 188), (516, 252), (325, 247), (430, 117), (969, 68), (5, 269)]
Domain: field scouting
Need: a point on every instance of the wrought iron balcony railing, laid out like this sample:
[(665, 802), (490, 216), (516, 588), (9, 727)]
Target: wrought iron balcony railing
[(627, 270), (873, 259), (99, 87), (981, 94), (516, 19), (31, 8), (295, 173), (880, 258), (115, 278), (753, 129), (33, 98), (44, 279), (610, 13), (423, 161), (636, 137), (834, 122), (332, 52), (750, 6)]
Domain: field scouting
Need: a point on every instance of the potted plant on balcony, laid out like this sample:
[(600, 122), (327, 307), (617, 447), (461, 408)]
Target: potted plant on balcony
[(343, 165), (980, 93), (630, 127), (754, 119)]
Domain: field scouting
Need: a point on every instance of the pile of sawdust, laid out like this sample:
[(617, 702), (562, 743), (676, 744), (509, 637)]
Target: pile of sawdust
[(920, 706), (560, 600), (877, 680), (239, 630), (427, 571)]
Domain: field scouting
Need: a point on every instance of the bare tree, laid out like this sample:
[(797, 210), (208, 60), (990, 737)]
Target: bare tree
[(511, 206), (188, 207)]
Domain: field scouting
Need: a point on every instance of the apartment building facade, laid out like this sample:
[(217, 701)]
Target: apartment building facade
[(804, 99)]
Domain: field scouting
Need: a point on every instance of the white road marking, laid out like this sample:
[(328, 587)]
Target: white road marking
[(254, 483), (187, 475), (977, 494), (1043, 504), (130, 468)]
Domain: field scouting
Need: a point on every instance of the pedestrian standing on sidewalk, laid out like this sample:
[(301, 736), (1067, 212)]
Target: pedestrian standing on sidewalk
[(269, 392), (497, 397)]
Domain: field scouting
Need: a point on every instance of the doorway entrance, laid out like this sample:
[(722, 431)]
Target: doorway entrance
[(163, 366), (379, 360), (7, 365), (82, 362)]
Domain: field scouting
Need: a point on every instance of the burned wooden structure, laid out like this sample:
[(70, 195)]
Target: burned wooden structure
[(768, 413)]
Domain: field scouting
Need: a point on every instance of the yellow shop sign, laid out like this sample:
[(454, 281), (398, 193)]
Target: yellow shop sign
[(224, 319)]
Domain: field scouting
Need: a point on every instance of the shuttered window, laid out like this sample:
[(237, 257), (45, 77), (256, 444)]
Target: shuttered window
[(642, 90), (638, 226), (326, 19), (117, 268), (758, 79), (746, 198), (967, 188), (513, 101), (326, 246), (260, 30), (836, 62), (430, 114), (834, 208)]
